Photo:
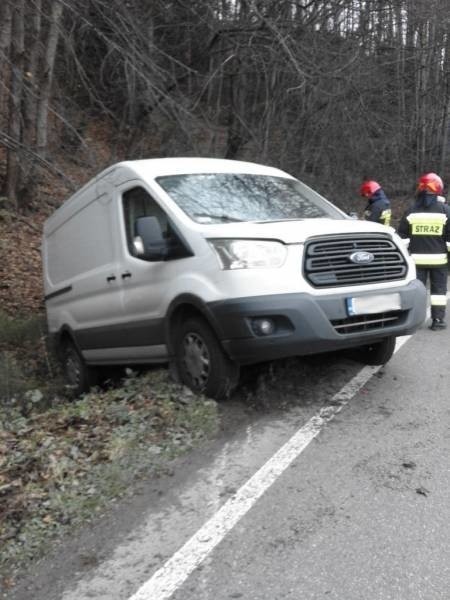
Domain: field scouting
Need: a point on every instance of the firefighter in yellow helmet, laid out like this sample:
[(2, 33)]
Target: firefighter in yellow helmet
[(427, 226)]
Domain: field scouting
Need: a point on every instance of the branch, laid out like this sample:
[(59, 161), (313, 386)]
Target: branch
[(12, 144)]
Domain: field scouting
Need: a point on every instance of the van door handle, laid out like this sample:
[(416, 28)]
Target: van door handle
[(111, 278), (126, 275)]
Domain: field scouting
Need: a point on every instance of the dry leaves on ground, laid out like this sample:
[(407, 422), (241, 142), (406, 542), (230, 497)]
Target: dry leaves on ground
[(59, 466)]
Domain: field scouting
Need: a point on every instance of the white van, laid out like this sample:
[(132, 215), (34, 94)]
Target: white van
[(211, 264)]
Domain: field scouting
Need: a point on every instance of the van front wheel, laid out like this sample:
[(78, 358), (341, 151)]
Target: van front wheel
[(80, 376), (378, 353), (202, 364)]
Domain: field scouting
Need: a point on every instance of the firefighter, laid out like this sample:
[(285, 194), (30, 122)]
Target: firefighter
[(378, 208), (427, 226)]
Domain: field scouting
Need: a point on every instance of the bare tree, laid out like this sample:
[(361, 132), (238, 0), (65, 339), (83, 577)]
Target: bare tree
[(16, 97), (47, 77), (5, 43), (328, 90), (32, 74)]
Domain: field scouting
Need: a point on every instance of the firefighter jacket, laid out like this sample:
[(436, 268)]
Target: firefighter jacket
[(427, 226), (379, 208)]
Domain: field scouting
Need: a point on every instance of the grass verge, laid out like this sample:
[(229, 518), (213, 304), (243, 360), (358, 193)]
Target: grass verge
[(62, 462)]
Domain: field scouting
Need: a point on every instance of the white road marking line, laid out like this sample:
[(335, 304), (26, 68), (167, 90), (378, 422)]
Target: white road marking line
[(178, 568)]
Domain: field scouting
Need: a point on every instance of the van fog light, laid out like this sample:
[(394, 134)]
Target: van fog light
[(263, 326)]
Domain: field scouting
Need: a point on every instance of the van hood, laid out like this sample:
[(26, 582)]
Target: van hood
[(292, 232)]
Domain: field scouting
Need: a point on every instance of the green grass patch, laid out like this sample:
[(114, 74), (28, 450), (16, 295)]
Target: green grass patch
[(62, 460), (19, 331), (30, 378), (59, 467)]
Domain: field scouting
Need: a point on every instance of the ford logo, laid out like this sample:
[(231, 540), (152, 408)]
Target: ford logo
[(362, 258)]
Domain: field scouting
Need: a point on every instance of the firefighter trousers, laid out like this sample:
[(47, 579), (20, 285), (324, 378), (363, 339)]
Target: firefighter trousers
[(438, 288)]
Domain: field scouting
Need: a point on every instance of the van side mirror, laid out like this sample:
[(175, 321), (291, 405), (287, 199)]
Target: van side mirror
[(149, 242)]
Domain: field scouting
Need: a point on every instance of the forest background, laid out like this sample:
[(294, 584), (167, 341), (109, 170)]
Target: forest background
[(330, 91)]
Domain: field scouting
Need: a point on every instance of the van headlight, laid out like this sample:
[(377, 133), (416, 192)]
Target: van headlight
[(249, 254)]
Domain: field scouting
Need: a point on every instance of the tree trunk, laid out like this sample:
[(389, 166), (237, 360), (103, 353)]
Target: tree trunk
[(46, 82), (31, 89), (15, 112), (5, 43), (446, 115)]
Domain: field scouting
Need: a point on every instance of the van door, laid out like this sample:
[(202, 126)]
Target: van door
[(145, 286), (95, 301)]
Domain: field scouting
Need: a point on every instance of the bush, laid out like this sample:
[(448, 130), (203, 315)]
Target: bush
[(29, 374), (13, 382), (16, 332)]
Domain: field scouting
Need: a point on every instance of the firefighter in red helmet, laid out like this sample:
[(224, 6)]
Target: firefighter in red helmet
[(378, 208), (427, 226)]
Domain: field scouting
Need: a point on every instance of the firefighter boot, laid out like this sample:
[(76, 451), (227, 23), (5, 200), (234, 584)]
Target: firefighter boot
[(437, 324)]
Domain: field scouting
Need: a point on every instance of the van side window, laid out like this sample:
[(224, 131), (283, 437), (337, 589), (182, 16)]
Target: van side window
[(137, 202)]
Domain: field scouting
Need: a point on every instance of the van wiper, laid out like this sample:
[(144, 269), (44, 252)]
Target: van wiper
[(224, 218), (278, 220)]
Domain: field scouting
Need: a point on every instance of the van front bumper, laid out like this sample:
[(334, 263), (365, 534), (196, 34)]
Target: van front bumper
[(307, 324)]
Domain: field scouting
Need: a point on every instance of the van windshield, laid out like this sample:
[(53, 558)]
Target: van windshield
[(231, 197)]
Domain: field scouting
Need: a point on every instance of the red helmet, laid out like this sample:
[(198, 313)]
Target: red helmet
[(368, 188), (431, 183)]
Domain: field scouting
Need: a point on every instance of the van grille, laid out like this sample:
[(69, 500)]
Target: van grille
[(359, 323), (327, 260)]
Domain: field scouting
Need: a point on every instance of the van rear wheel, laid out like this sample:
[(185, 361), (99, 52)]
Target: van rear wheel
[(79, 375), (201, 363), (378, 353)]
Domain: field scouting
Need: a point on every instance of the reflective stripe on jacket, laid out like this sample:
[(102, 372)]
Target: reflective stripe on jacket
[(427, 225), (379, 208)]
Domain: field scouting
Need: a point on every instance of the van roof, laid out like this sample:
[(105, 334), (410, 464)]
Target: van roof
[(155, 167)]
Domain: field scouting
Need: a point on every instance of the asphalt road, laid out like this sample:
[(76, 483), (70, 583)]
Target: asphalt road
[(361, 512)]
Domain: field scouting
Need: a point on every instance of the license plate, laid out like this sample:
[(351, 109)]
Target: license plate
[(368, 305)]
